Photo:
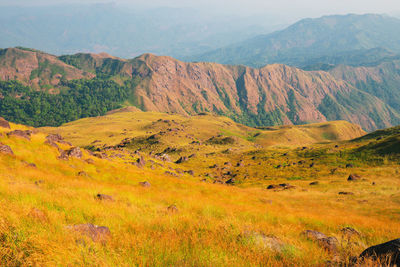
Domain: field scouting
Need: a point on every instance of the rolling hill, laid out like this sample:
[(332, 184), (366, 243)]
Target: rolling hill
[(225, 204), (313, 40), (180, 131)]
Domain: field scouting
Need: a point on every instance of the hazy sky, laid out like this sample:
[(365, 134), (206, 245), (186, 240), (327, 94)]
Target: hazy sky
[(286, 8)]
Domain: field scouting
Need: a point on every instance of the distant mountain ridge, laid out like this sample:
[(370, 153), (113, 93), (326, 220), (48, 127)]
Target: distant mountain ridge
[(122, 31), (273, 95), (312, 39)]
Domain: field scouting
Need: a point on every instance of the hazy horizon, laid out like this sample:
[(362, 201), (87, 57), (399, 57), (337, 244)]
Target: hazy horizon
[(287, 10)]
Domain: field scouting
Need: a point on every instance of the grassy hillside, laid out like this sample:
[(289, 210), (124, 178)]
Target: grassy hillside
[(44, 198), (180, 131)]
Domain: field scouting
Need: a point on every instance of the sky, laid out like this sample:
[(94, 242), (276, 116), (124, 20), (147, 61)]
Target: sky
[(285, 8)]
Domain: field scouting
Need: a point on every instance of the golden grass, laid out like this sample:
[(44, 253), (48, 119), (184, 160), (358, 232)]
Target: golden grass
[(214, 221)]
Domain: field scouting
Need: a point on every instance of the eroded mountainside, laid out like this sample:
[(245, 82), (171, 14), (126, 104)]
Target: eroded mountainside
[(272, 95)]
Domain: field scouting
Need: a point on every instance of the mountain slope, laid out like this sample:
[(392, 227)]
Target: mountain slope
[(382, 80), (275, 94), (312, 38), (36, 68), (272, 95)]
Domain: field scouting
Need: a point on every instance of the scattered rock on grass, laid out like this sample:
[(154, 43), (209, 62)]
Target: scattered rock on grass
[(349, 232), (145, 184), (4, 149), (230, 181), (346, 193), (89, 161), (328, 243), (353, 177), (75, 152), (281, 186), (140, 162), (172, 209), (96, 233), (171, 173), (265, 241), (83, 173), (104, 197), (39, 182), (63, 156), (182, 160), (19, 133)]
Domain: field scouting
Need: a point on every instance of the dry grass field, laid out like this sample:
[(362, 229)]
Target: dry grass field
[(212, 209)]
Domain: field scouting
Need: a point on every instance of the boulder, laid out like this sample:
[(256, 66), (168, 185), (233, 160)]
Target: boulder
[(314, 235), (82, 173), (314, 183), (172, 209), (190, 172), (4, 149), (63, 156), (54, 138), (270, 242), (96, 233), (22, 134), (281, 186), (387, 253), (328, 243), (182, 160), (350, 232), (74, 152), (104, 197), (346, 193), (39, 182), (171, 173), (4, 123), (145, 184), (140, 162), (240, 164), (353, 177), (89, 161), (230, 181)]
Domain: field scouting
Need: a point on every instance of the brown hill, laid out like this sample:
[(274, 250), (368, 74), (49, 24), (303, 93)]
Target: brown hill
[(274, 94), (35, 68)]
